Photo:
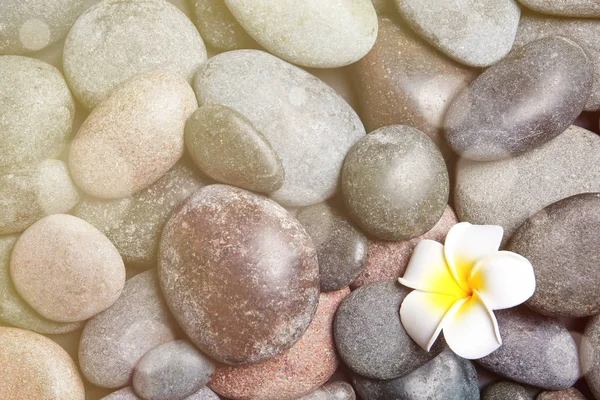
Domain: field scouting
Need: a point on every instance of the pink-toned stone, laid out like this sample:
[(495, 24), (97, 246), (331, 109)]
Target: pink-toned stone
[(388, 260), (294, 373)]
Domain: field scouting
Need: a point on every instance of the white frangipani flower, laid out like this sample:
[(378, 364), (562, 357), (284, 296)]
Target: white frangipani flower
[(459, 284)]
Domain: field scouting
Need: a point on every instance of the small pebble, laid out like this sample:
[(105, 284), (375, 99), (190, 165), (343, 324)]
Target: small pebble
[(567, 394), (590, 355), (505, 390), (331, 391), (219, 28), (566, 8)]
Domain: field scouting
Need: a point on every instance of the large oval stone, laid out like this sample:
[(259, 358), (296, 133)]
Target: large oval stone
[(239, 273), (565, 8), (308, 124), (311, 33), (119, 149)]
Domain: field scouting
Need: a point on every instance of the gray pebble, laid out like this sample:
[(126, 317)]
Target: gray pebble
[(565, 8), (566, 394), (395, 183), (203, 394), (123, 394), (219, 28), (172, 370), (505, 390), (446, 377), (341, 247), (331, 391), (535, 350), (590, 354), (369, 335), (550, 77)]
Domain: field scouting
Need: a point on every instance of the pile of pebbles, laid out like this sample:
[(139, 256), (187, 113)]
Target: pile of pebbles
[(213, 199)]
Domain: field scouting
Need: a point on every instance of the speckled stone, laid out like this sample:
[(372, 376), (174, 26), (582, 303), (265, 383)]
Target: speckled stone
[(566, 394), (219, 28), (203, 394), (395, 183), (388, 260), (258, 271), (299, 370), (331, 391), (405, 81), (123, 394), (505, 390), (173, 370), (590, 354), (473, 32), (115, 40), (507, 192), (311, 33), (32, 191), (34, 367), (308, 124), (13, 309), (227, 147), (566, 8), (582, 31), (562, 243), (370, 338), (536, 350), (446, 377), (121, 150), (551, 78), (134, 224), (113, 342), (37, 109), (341, 247), (31, 25)]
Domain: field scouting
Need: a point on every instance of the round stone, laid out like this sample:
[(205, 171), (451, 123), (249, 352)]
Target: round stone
[(309, 125), (219, 28), (395, 183), (590, 354), (203, 394), (66, 269), (331, 391), (37, 110), (311, 33), (113, 342), (123, 394), (566, 394), (119, 150), (505, 390), (565, 8), (228, 148), (299, 370), (239, 273), (173, 370), (341, 247), (34, 367), (115, 40), (369, 335)]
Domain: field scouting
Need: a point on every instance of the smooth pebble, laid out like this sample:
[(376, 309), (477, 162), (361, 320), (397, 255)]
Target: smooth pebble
[(331, 391), (566, 394), (565, 8), (219, 27), (505, 390)]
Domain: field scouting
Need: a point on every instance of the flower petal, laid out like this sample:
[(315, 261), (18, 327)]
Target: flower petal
[(427, 270), (422, 313), (503, 279), (466, 244), (471, 330)]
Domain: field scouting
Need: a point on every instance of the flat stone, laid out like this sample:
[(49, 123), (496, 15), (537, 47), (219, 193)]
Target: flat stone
[(388, 260), (551, 78), (331, 391), (536, 350), (405, 81), (341, 247), (32, 191), (311, 33), (134, 224), (473, 32), (172, 370), (566, 394), (590, 354), (446, 377), (115, 40), (582, 31), (299, 370), (505, 390), (123, 394), (219, 27), (395, 183), (37, 109), (308, 124), (32, 25), (34, 367), (114, 341), (565, 8), (119, 150), (369, 335), (507, 192), (239, 273), (227, 147), (561, 241), (13, 309)]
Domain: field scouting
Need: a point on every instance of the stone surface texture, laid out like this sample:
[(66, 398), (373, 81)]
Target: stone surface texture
[(505, 390), (566, 8), (219, 27)]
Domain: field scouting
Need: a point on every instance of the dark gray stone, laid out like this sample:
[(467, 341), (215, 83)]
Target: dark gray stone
[(173, 370), (590, 355), (563, 245), (395, 183), (567, 394), (331, 391), (536, 350), (446, 377), (505, 391), (341, 247), (369, 335), (522, 102)]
